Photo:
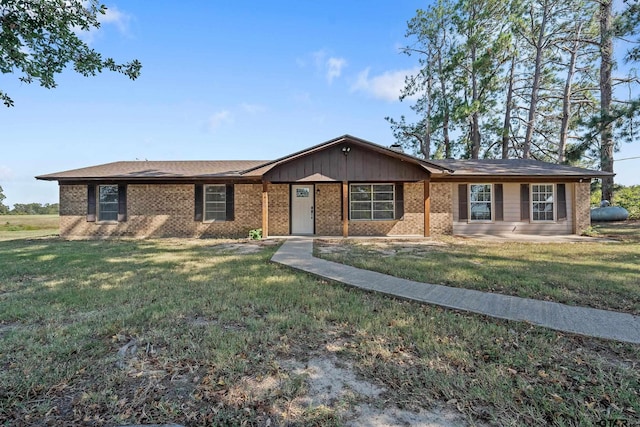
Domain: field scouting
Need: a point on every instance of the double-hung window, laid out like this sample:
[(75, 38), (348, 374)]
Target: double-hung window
[(372, 201), (542, 202), (480, 200), (215, 203), (107, 203)]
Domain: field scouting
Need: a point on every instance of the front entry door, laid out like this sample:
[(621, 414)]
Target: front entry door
[(302, 209)]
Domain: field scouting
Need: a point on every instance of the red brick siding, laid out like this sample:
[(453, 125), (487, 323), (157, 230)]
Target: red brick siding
[(441, 208), (156, 210), (329, 209), (278, 209)]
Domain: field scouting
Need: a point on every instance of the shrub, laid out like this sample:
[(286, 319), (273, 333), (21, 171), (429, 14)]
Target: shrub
[(255, 234), (628, 198)]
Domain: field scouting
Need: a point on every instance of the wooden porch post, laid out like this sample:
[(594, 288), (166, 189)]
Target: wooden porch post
[(345, 209), (574, 200), (265, 210), (427, 208)]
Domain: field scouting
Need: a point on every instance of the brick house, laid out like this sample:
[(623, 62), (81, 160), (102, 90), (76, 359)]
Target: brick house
[(343, 187)]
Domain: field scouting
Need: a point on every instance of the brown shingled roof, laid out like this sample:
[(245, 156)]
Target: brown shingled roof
[(515, 167), (254, 169), (138, 170)]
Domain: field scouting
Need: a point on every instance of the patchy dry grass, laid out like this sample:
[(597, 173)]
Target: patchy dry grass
[(595, 274), (28, 226), (194, 332)]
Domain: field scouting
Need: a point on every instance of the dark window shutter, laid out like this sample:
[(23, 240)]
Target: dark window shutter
[(524, 202), (197, 216), (498, 202), (400, 201), (342, 202), (91, 203), (122, 202), (562, 201), (230, 203), (462, 202)]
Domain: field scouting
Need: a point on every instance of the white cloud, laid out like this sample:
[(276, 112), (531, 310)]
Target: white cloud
[(115, 17), (334, 68), (253, 108), (112, 16), (329, 66), (386, 86), (319, 57), (219, 118)]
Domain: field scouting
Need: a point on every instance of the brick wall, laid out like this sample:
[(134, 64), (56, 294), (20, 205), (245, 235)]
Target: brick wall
[(441, 208), (329, 209), (278, 209), (155, 210), (411, 224), (582, 206), (159, 211)]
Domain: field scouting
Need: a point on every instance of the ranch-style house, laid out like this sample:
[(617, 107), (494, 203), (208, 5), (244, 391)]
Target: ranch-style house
[(343, 187)]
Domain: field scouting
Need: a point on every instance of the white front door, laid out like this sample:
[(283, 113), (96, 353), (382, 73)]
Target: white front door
[(302, 209)]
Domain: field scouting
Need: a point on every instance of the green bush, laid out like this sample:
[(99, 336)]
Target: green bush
[(255, 234), (628, 198)]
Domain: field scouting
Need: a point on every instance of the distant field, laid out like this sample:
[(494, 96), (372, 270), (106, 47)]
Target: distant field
[(28, 226)]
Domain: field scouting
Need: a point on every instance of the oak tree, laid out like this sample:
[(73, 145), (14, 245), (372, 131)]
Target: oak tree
[(40, 38)]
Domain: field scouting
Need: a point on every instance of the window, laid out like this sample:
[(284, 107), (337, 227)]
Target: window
[(480, 202), (108, 203), (215, 203), (372, 201), (542, 202)]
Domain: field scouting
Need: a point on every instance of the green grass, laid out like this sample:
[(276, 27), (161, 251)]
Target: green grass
[(208, 323), (28, 226), (602, 275)]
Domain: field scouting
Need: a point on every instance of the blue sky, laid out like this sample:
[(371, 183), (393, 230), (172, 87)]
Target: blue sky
[(220, 80)]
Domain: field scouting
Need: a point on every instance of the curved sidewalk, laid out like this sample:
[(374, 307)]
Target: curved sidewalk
[(298, 253)]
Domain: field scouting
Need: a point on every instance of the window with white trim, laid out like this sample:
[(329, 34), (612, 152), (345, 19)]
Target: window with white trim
[(215, 203), (542, 202), (372, 201), (107, 203), (480, 202)]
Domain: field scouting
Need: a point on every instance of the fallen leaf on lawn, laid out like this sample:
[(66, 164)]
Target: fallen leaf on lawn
[(556, 397), (542, 374)]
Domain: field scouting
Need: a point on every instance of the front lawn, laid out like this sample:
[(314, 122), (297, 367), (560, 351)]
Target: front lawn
[(596, 274), (204, 332)]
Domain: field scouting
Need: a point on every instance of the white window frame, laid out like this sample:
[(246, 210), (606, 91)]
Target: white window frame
[(471, 202), (554, 204), (372, 202), (206, 202), (99, 208)]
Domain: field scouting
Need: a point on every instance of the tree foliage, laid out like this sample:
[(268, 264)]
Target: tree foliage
[(34, 209), (3, 208), (40, 38), (520, 79)]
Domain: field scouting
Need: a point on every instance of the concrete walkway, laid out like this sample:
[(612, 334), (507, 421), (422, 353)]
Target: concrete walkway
[(297, 253)]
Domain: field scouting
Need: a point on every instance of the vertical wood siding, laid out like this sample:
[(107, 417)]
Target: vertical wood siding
[(359, 165)]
